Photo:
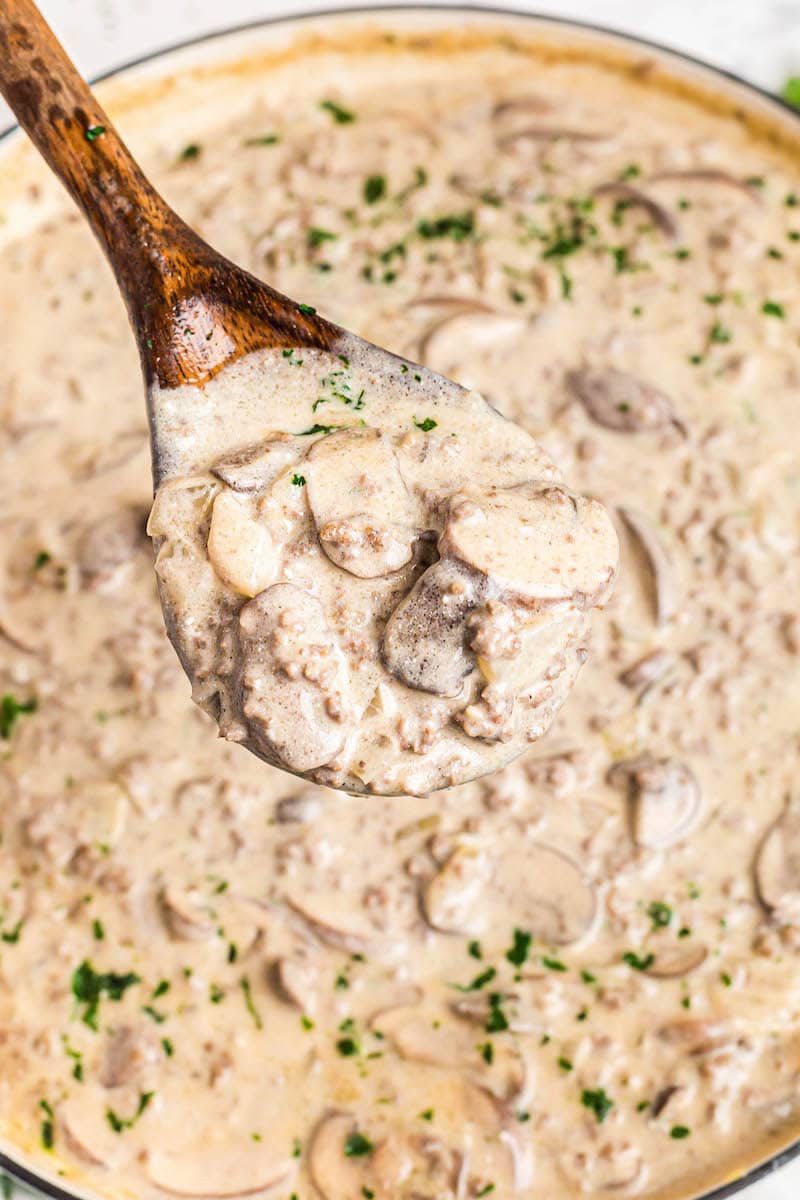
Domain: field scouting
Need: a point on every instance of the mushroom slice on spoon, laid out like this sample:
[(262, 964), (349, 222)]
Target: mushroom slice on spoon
[(537, 541), (361, 508), (293, 678)]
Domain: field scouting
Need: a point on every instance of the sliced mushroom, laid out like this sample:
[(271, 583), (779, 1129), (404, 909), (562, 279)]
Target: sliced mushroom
[(129, 1050), (86, 1131), (231, 1170), (637, 198), (648, 669), (295, 980), (300, 808), (293, 677), (253, 467), (335, 1175), (241, 549), (709, 175), (362, 510), (426, 641), (184, 915), (331, 920), (777, 866), (620, 401), (555, 133), (661, 575), (523, 884), (110, 544), (524, 104), (537, 541), (441, 346), (695, 1037), (664, 797), (674, 959)]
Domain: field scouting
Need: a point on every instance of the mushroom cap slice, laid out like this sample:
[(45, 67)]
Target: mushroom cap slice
[(518, 884), (664, 796), (777, 865), (335, 1175), (330, 918), (240, 548), (538, 541), (230, 1170), (620, 401), (425, 642), (293, 678), (661, 583), (674, 959), (254, 467), (362, 510)]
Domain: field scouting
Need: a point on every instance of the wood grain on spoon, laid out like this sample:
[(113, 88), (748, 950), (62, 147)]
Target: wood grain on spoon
[(192, 310)]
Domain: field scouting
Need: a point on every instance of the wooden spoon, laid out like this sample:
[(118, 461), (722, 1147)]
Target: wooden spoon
[(192, 310)]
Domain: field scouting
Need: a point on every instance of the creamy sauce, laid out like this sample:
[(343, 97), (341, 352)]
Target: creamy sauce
[(579, 976), (384, 602)]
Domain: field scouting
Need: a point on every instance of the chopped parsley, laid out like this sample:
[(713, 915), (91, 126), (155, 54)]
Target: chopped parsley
[(478, 982), (193, 150), (639, 963), (120, 1124), (554, 964), (771, 308), (474, 950), (426, 1115), (520, 948), (89, 987), (11, 710), (486, 1190), (308, 309), (660, 914), (161, 988), (342, 116), (597, 1102), (726, 979), (374, 188), (565, 1064), (48, 1126), (427, 424), (41, 560), (315, 237), (679, 1132), (319, 429), (265, 139), (94, 132), (458, 226), (12, 936), (348, 1047), (356, 1145), (719, 334), (167, 1047), (486, 1051), (633, 171), (588, 977), (154, 1014), (98, 932), (299, 480), (496, 1021)]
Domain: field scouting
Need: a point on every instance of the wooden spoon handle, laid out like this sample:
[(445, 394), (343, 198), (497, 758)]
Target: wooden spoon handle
[(191, 309)]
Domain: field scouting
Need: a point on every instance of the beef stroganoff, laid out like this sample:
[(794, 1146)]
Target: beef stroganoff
[(577, 976)]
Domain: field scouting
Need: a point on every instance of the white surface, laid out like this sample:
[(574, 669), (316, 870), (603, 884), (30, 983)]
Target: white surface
[(759, 39)]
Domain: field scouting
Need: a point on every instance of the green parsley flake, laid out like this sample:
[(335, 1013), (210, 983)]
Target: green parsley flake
[(299, 480), (719, 333), (458, 226), (790, 92), (11, 710), (249, 1002), (94, 132), (89, 987), (771, 308), (597, 1102), (520, 948), (342, 116), (120, 1124), (554, 964), (265, 139), (496, 1022), (679, 1132), (660, 914), (315, 237), (638, 963), (565, 1064), (427, 424), (356, 1145), (193, 150), (478, 982), (374, 188), (48, 1127), (308, 309)]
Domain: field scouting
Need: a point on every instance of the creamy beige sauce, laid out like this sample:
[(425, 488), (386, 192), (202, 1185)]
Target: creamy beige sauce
[(579, 976), (378, 600)]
